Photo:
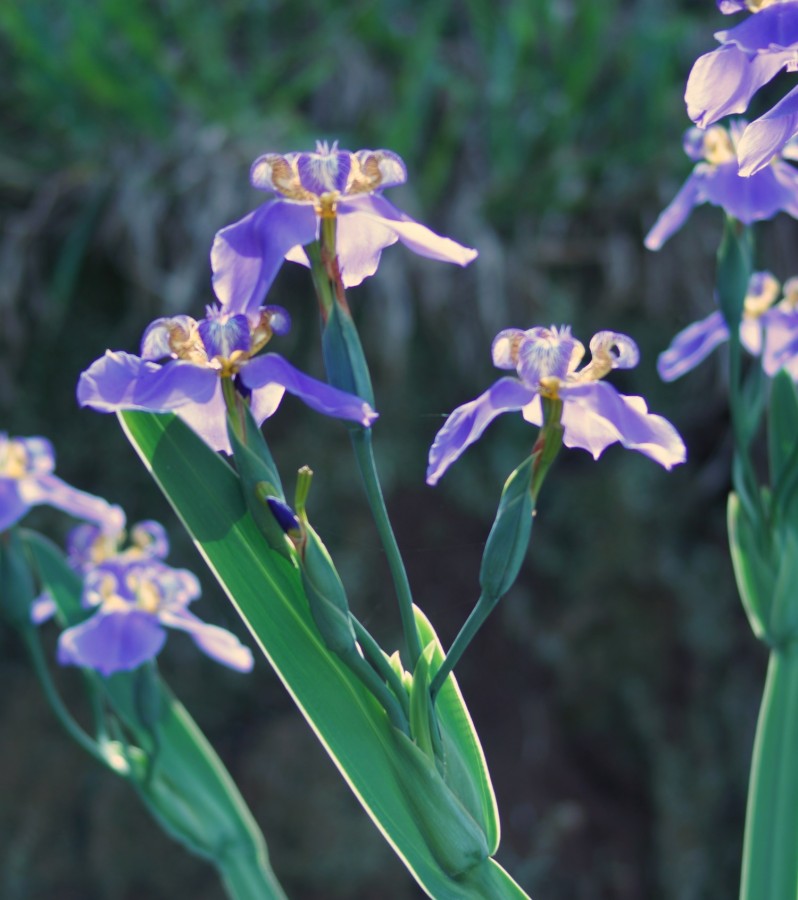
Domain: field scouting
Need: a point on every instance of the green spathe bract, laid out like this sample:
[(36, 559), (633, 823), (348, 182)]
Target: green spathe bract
[(266, 590)]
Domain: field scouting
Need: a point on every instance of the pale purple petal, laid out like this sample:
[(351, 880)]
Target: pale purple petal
[(359, 242), (218, 643), (773, 28), (724, 81), (325, 172), (50, 490), (674, 215), (12, 506), (761, 196), (209, 419), (691, 346), (595, 415), (467, 423), (247, 255), (119, 381), (412, 234), (112, 642), (765, 136), (273, 369), (727, 7)]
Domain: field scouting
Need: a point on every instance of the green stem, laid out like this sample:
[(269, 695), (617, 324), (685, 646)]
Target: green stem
[(376, 657), (770, 846), (34, 647), (248, 876), (484, 607), (364, 453)]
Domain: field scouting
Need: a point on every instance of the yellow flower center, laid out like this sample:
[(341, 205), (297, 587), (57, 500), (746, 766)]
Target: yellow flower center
[(717, 146), (13, 459)]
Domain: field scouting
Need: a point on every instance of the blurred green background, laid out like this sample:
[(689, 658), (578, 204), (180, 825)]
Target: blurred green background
[(616, 688)]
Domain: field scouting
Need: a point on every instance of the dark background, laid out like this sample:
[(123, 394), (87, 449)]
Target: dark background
[(616, 688)]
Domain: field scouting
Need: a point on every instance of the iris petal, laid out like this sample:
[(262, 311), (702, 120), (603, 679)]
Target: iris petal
[(467, 423), (120, 380), (247, 255), (112, 642), (691, 346), (595, 415), (676, 213), (765, 136), (12, 506), (50, 490), (273, 369), (218, 643)]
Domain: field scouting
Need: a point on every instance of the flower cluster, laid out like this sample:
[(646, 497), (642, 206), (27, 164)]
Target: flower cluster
[(716, 180), (751, 53), (134, 597), (768, 329), (594, 414), (27, 480)]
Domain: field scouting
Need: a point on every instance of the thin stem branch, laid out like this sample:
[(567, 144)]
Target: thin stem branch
[(376, 657)]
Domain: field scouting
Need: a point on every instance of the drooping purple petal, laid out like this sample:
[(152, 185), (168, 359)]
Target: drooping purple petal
[(12, 506), (767, 135), (120, 381), (595, 415), (50, 490), (691, 346), (467, 423), (773, 28), (751, 199), (218, 643), (209, 419), (112, 642), (676, 213), (247, 255), (273, 369), (723, 81), (359, 242), (412, 234)]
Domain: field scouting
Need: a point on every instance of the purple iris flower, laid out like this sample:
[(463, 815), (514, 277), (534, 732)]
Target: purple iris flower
[(197, 356), (27, 479), (594, 414), (692, 345), (752, 53), (329, 183), (88, 546), (715, 180), (135, 600)]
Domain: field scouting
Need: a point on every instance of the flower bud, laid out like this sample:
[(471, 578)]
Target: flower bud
[(509, 537)]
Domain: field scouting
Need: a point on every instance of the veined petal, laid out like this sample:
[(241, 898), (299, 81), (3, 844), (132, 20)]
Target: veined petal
[(760, 196), (765, 136), (50, 490), (412, 234), (273, 369), (723, 81), (465, 425), (595, 415), (691, 346), (112, 642), (209, 419), (360, 240), (120, 380), (247, 255), (12, 506), (773, 28), (676, 213), (218, 643)]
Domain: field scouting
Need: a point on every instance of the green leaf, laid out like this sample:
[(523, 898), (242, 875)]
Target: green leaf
[(266, 590), (752, 568), (783, 442)]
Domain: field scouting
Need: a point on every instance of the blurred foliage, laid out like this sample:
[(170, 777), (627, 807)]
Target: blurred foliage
[(617, 688)]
